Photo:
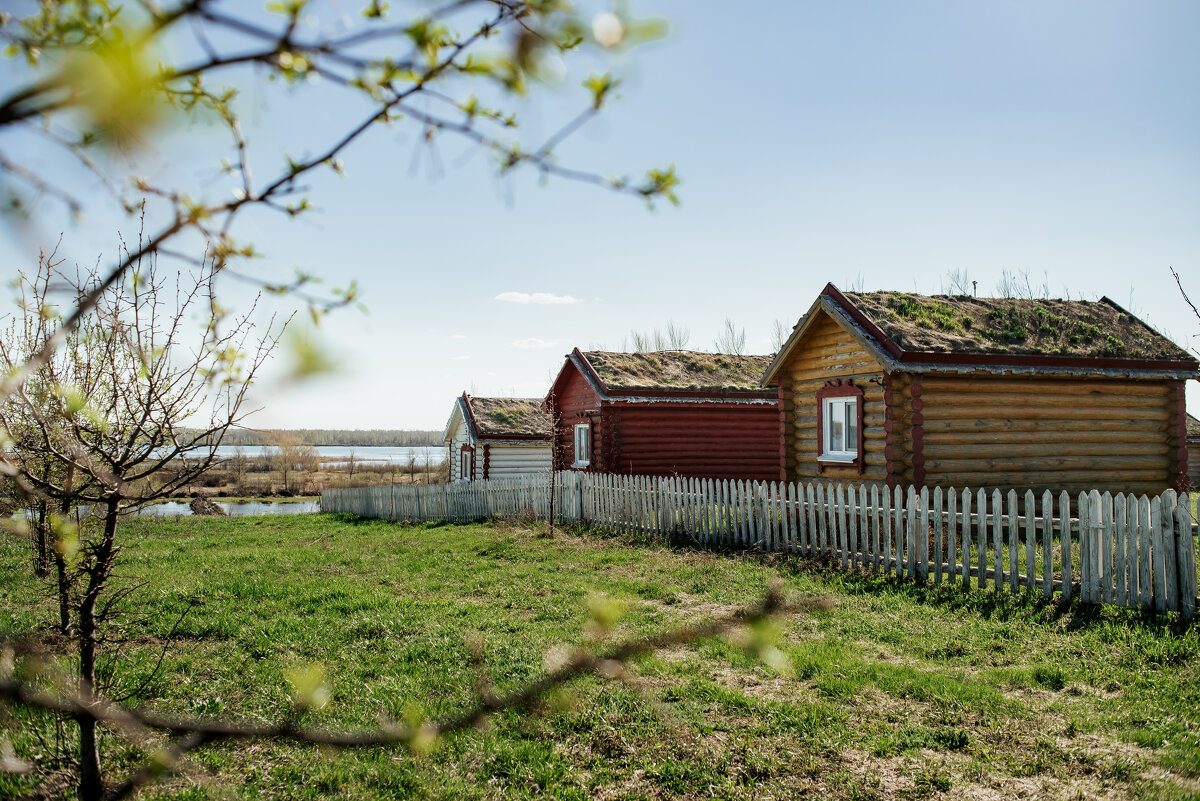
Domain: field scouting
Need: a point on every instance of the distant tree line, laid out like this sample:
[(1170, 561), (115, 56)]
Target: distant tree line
[(366, 438)]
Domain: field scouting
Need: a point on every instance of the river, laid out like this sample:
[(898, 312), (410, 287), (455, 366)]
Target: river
[(340, 454)]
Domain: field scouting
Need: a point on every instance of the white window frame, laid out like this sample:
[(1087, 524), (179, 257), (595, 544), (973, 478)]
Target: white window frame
[(586, 441), (846, 408), (464, 465)]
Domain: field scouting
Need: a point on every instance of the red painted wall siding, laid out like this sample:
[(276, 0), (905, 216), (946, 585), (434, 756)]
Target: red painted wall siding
[(574, 397), (700, 440)]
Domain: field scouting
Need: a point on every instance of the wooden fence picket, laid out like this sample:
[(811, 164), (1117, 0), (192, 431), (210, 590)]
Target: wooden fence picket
[(938, 514), (1185, 557), (1171, 574), (966, 520)]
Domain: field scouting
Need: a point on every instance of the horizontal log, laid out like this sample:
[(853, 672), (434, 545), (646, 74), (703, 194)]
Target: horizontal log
[(1004, 400), (941, 448), (858, 370), (1056, 482), (822, 347), (1064, 413), (1042, 464), (1110, 439), (984, 426), (1025, 385)]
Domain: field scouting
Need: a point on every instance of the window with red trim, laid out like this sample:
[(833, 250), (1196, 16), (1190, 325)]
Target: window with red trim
[(840, 425)]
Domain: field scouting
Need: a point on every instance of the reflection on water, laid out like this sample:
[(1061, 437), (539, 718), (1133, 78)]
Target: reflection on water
[(183, 509)]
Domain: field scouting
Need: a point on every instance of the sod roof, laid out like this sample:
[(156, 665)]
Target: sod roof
[(498, 417), (1193, 427), (1045, 327), (683, 370)]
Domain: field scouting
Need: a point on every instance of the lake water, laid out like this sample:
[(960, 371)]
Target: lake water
[(340, 454), (184, 509)]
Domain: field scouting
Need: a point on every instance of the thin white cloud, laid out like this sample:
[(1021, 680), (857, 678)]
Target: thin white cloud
[(541, 298), (534, 342), (458, 336)]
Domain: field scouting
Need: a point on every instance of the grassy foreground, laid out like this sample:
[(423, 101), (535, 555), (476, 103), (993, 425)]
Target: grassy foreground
[(897, 691)]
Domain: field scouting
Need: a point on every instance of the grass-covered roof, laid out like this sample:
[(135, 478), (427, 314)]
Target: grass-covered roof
[(1046, 327), (497, 417), (678, 370), (1193, 427)]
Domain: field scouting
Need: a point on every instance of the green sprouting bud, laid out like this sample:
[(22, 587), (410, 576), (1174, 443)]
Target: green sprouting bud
[(600, 87)]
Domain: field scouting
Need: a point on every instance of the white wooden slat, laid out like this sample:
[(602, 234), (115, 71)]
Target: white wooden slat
[(997, 539), (839, 523), (1170, 568), (873, 548), (819, 513), (1145, 572), (885, 531), (938, 515), (1047, 544), (1119, 519), (786, 511), (861, 528), (921, 537), (803, 531), (1132, 536), (1030, 541), (1085, 544), (1185, 557), (965, 533), (1156, 554), (1014, 538), (898, 530), (1105, 552), (910, 538), (851, 518)]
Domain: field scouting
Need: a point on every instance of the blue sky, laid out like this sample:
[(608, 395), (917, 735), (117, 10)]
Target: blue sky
[(874, 145)]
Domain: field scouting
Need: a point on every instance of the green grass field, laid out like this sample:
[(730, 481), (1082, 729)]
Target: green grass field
[(897, 691)]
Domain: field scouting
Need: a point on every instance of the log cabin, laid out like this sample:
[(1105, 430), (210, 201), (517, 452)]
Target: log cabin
[(497, 438), (665, 413), (983, 392)]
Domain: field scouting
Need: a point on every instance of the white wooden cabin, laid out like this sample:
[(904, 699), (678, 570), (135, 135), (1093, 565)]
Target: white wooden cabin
[(497, 437)]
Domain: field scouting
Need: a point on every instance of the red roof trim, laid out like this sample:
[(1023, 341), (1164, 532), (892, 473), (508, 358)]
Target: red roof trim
[(997, 359)]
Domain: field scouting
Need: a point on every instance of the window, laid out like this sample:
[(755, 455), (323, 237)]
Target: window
[(583, 445), (840, 424), (464, 464), (840, 434)]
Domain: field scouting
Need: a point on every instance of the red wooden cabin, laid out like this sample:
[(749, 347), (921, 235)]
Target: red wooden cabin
[(665, 413)]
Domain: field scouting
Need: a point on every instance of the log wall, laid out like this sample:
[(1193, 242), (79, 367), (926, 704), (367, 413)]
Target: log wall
[(1046, 433), (828, 353)]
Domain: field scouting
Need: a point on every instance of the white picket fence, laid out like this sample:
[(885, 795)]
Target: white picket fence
[(1132, 551)]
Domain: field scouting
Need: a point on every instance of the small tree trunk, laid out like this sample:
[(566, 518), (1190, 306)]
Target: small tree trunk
[(91, 777), (64, 594), (41, 562)]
